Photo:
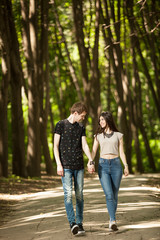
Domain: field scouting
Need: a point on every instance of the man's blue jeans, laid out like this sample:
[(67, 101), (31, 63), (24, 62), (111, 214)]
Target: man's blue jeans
[(78, 176), (110, 175)]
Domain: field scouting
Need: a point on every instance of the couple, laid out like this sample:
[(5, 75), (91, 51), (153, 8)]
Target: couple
[(69, 144)]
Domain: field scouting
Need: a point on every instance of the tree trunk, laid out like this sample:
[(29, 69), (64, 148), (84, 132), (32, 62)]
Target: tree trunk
[(95, 81), (136, 105), (18, 163), (30, 40), (148, 149), (83, 52), (153, 46), (91, 85), (71, 67), (44, 85), (4, 120), (4, 97)]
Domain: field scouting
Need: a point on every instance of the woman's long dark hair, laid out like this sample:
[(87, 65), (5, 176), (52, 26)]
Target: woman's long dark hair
[(109, 121)]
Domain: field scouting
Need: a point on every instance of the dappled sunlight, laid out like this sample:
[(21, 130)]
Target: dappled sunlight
[(92, 190), (15, 224), (150, 224), (21, 224), (140, 188), (126, 208), (44, 215), (96, 210), (131, 194), (32, 196), (93, 185), (51, 231), (139, 204), (23, 221), (123, 207)]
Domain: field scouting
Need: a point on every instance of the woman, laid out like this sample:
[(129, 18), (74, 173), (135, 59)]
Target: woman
[(109, 168)]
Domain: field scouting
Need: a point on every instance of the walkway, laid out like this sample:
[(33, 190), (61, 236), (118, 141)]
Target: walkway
[(41, 216)]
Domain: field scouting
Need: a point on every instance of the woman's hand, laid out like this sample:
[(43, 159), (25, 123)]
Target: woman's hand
[(126, 171)]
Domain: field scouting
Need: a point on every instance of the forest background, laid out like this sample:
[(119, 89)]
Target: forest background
[(105, 53)]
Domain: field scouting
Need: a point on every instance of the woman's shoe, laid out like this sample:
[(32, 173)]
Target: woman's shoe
[(113, 226)]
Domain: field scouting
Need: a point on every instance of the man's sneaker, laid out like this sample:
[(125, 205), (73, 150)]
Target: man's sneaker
[(113, 226), (81, 229), (74, 228)]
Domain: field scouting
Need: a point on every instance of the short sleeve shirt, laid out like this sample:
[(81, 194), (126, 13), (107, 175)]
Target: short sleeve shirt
[(70, 146), (109, 145)]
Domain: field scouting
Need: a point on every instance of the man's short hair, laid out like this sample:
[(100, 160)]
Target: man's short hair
[(78, 107)]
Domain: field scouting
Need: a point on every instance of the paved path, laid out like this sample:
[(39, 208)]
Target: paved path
[(41, 216)]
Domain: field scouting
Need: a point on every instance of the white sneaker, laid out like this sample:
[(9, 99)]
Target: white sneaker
[(113, 226)]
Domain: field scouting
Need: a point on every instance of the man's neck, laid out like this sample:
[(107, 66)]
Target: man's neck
[(71, 119)]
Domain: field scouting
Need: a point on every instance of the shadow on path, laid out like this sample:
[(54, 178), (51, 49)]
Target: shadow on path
[(41, 216)]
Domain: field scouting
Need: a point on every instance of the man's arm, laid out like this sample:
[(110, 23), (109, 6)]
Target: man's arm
[(60, 170), (86, 150)]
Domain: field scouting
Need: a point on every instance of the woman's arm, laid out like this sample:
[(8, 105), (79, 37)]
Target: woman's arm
[(123, 157), (94, 148)]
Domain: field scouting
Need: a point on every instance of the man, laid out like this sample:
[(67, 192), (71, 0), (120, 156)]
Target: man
[(69, 144)]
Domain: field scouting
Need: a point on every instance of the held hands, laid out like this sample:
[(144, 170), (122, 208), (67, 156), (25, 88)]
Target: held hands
[(91, 168), (60, 170)]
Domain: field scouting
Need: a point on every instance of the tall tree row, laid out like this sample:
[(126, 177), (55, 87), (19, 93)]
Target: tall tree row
[(53, 53)]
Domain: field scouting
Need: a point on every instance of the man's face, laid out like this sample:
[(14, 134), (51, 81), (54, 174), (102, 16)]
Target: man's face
[(80, 117)]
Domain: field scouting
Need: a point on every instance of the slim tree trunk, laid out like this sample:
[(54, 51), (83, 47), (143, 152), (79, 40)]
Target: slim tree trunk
[(136, 105), (4, 97), (148, 149), (4, 120), (44, 86), (95, 81), (83, 52), (71, 67), (149, 23)]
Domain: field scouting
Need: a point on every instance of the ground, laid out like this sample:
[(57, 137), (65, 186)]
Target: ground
[(17, 186), (36, 208)]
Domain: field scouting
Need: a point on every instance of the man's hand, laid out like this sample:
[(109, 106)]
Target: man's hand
[(60, 170)]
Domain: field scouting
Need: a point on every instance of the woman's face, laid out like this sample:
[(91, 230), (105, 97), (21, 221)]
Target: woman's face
[(102, 122)]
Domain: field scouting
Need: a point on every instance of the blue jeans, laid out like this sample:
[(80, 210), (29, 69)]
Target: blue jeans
[(78, 176), (110, 175)]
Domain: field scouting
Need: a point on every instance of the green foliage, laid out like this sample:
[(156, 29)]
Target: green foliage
[(155, 148)]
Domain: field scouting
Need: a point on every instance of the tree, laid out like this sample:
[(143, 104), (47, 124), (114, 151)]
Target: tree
[(16, 77), (4, 96), (30, 40), (44, 85)]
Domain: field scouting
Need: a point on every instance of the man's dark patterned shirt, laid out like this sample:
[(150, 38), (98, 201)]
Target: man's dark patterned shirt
[(70, 145)]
